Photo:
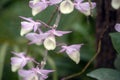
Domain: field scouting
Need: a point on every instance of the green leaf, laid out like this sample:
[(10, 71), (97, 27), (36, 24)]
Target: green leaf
[(116, 41), (3, 50), (117, 62), (105, 74)]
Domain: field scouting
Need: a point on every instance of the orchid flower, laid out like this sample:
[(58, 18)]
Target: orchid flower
[(117, 27), (84, 7), (38, 6), (28, 25), (34, 73), (50, 42), (19, 61), (72, 51)]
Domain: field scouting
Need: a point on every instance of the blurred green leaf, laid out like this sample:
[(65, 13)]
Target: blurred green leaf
[(117, 62), (3, 51), (105, 74), (116, 41)]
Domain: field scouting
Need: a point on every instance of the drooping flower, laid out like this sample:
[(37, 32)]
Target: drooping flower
[(84, 7), (38, 6), (72, 51), (66, 7), (34, 74), (115, 4), (117, 27), (28, 25), (50, 42), (19, 61)]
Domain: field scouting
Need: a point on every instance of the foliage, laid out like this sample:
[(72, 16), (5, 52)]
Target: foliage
[(105, 74), (115, 37)]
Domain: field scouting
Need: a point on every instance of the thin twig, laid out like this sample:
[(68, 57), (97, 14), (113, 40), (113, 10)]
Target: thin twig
[(44, 24), (43, 62), (52, 16), (90, 7), (57, 20)]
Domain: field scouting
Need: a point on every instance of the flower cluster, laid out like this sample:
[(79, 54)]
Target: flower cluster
[(65, 7), (20, 60), (33, 31)]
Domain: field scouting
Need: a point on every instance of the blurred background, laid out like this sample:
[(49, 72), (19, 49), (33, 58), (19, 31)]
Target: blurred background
[(83, 31)]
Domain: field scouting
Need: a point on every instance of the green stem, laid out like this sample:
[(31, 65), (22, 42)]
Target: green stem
[(51, 63)]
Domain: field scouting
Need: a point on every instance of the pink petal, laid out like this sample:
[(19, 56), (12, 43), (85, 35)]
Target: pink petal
[(25, 73), (27, 19), (85, 7), (40, 5), (52, 2), (20, 54), (15, 60), (59, 33), (34, 38), (46, 72), (117, 27), (76, 46), (27, 25), (78, 0)]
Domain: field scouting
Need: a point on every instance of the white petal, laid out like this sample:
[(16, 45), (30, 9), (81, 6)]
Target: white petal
[(35, 1), (35, 11), (50, 43), (15, 67), (115, 4), (24, 31), (66, 7), (75, 56), (32, 77)]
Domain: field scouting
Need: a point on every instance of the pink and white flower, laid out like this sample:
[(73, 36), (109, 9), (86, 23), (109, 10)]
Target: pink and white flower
[(38, 6), (72, 51), (84, 7), (28, 25), (54, 2), (34, 74), (19, 61), (50, 42)]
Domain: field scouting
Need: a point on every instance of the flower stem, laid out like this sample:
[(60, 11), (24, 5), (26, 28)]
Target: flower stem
[(43, 62), (57, 20), (90, 6)]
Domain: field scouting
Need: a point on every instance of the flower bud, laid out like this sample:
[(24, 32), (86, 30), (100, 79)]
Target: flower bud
[(66, 7), (50, 43)]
